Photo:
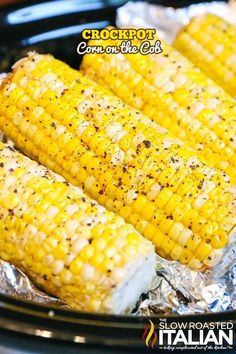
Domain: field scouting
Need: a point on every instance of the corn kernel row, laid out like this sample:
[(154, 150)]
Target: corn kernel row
[(169, 89), (121, 158), (210, 43), (67, 243)]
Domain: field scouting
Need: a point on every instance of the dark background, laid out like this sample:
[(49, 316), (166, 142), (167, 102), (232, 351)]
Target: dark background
[(24, 26)]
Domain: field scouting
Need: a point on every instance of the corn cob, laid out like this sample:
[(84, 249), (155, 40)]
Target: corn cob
[(119, 157), (167, 88), (66, 242), (210, 43)]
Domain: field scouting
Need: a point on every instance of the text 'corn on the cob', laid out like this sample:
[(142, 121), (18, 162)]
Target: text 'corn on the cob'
[(169, 89), (210, 43), (67, 243), (121, 158)]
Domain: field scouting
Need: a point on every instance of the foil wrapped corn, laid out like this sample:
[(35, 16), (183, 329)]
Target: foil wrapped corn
[(120, 157), (210, 43), (169, 89), (67, 243)]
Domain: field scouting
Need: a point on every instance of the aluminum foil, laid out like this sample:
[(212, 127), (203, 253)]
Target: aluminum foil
[(15, 283), (168, 20), (179, 290)]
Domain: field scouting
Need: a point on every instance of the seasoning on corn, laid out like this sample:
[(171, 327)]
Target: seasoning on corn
[(169, 89), (120, 157), (67, 243), (210, 43)]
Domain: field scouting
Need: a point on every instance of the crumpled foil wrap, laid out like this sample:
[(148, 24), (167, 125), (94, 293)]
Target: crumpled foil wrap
[(176, 289), (15, 283), (168, 20), (179, 290)]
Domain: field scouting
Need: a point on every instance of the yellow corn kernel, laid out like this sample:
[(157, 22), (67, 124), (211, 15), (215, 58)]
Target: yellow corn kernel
[(70, 245), (177, 95), (176, 252), (219, 240), (158, 238), (163, 197), (154, 180), (203, 250), (217, 58)]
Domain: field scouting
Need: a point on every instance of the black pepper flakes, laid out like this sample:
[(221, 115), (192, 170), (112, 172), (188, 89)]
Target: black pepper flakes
[(11, 212), (147, 143)]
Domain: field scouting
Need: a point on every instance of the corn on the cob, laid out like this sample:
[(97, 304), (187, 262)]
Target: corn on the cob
[(121, 158), (66, 242), (210, 43), (167, 88)]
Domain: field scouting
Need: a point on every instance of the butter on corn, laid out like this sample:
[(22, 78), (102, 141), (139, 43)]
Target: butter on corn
[(69, 244), (177, 95), (210, 43), (121, 158)]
